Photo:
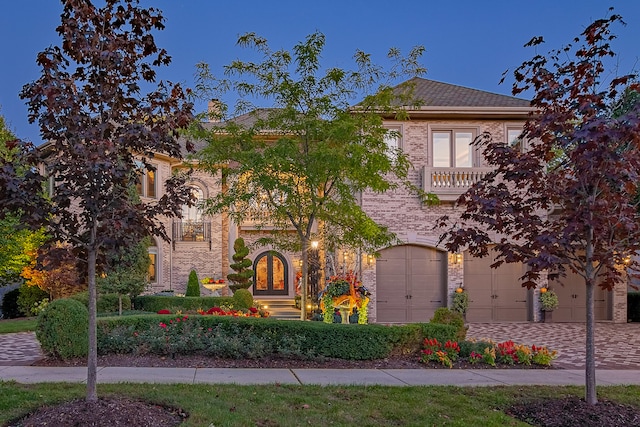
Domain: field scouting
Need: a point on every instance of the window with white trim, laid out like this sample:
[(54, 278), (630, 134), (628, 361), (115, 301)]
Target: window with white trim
[(393, 139), (153, 263), (452, 148), (146, 183)]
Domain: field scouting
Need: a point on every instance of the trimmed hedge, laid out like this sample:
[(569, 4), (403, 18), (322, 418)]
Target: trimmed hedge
[(107, 303), (154, 303), (633, 306), (236, 337), (63, 329)]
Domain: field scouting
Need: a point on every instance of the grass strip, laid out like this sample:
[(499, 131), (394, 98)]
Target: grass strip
[(280, 405)]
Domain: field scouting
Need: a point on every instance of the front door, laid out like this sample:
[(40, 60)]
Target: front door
[(270, 276)]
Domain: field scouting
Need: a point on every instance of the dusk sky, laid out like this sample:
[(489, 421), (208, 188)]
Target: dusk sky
[(468, 42)]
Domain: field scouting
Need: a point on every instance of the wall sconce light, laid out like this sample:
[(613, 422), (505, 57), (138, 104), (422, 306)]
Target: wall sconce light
[(369, 259), (455, 257), (299, 263), (314, 244)]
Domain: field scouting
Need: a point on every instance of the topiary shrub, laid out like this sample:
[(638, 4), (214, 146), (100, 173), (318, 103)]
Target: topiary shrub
[(193, 285), (444, 316), (63, 328), (242, 298), (10, 309), (241, 279)]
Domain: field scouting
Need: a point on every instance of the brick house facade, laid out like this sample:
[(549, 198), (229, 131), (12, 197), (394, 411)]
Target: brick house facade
[(408, 281)]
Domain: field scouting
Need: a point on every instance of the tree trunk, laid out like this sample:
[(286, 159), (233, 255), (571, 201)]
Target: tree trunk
[(590, 366), (305, 279), (119, 304), (92, 357), (590, 362)]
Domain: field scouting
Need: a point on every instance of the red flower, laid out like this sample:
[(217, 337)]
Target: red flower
[(163, 325), (164, 311), (253, 310)]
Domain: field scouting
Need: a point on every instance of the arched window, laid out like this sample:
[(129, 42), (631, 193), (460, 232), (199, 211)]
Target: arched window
[(271, 274), (193, 227)]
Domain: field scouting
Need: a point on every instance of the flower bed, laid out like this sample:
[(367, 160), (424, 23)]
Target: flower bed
[(485, 352)]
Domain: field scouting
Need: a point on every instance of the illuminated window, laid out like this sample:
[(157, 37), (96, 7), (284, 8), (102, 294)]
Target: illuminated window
[(146, 183), (153, 265), (193, 227)]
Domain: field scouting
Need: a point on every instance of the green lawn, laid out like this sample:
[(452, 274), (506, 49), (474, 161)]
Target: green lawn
[(274, 405), (18, 325)]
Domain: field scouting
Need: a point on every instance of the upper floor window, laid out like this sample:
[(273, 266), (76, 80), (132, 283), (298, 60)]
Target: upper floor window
[(393, 138), (192, 227), (146, 183), (452, 148), (514, 138)]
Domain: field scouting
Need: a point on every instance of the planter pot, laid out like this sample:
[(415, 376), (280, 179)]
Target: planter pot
[(547, 316)]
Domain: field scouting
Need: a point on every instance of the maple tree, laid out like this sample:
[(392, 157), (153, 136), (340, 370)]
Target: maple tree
[(103, 115), (563, 199)]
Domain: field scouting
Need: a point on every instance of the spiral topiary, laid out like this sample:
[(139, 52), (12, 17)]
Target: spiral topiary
[(63, 329), (243, 275)]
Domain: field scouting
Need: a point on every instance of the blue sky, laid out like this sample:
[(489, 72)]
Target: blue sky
[(468, 42)]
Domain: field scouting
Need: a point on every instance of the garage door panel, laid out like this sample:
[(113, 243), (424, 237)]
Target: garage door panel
[(413, 271), (572, 291), (511, 313), (392, 313), (494, 294)]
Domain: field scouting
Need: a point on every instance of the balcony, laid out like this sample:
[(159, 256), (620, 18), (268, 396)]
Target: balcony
[(449, 183), (191, 231)]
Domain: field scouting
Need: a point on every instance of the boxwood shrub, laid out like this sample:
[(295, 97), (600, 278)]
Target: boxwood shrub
[(63, 328), (107, 303), (154, 303), (227, 336)]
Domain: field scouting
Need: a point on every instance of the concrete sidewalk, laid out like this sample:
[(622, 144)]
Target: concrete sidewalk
[(386, 377)]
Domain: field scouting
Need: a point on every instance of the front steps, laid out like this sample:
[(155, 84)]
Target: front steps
[(284, 309)]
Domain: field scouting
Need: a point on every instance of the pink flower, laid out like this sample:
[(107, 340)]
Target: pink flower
[(163, 325)]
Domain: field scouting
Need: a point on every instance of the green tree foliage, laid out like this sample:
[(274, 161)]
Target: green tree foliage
[(17, 243), (589, 188), (241, 279), (102, 112), (193, 285), (305, 160), (126, 272)]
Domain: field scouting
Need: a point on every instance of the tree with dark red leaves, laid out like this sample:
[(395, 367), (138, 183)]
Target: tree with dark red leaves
[(101, 128), (566, 202)]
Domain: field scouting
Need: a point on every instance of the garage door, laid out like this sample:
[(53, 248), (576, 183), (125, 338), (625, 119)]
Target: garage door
[(572, 298), (410, 284), (495, 294)]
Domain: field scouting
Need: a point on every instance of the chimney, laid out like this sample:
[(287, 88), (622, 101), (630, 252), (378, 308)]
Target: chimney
[(214, 110)]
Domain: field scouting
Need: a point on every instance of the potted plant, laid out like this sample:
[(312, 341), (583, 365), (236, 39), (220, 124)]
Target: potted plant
[(548, 303), (460, 302)]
